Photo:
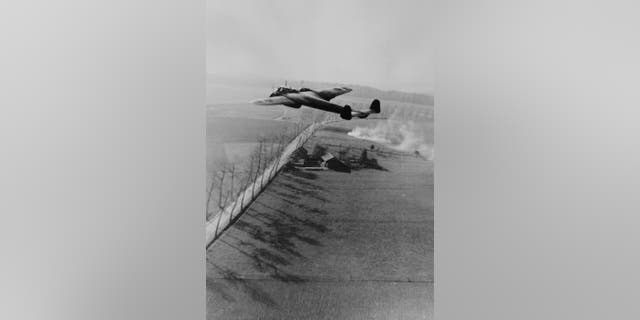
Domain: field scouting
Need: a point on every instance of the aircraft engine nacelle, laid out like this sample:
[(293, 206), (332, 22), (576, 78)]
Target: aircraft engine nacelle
[(346, 113)]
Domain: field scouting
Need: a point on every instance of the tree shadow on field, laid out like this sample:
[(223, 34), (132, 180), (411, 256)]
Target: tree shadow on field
[(302, 182), (288, 195), (302, 206), (292, 219), (302, 174), (289, 189), (272, 235), (271, 248), (230, 283)]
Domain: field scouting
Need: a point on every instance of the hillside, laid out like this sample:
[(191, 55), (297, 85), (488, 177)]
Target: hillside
[(358, 90)]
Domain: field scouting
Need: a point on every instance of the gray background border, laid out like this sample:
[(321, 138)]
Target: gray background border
[(537, 160), (103, 159)]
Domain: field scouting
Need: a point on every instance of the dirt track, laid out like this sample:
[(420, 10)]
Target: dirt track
[(330, 245)]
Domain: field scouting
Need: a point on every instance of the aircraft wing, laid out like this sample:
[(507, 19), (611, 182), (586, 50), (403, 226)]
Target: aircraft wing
[(331, 93), (273, 100), (316, 103)]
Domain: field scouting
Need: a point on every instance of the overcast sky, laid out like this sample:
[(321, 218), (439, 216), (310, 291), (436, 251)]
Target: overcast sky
[(386, 44)]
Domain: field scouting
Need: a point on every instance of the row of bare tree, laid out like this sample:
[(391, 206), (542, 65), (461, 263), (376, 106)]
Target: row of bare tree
[(229, 181), (233, 186)]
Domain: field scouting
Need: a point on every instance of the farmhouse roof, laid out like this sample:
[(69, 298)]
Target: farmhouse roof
[(327, 156)]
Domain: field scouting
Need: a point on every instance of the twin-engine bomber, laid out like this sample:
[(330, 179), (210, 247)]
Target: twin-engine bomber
[(317, 99)]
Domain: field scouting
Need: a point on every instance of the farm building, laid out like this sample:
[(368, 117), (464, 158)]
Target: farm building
[(299, 156), (331, 162)]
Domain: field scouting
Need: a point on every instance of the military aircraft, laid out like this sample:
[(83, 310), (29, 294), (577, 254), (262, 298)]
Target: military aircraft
[(318, 99)]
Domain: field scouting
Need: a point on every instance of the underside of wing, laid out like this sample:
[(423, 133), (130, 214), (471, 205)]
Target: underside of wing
[(331, 93), (273, 100)]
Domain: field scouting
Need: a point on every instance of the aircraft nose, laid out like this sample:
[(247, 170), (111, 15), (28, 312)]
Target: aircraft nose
[(346, 89)]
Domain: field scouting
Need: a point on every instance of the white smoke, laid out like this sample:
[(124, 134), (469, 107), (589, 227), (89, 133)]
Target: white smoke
[(398, 134)]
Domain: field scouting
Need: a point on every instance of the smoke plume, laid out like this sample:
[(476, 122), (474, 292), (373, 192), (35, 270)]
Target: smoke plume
[(399, 134)]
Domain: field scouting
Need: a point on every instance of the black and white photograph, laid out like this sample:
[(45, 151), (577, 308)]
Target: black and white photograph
[(320, 160), (303, 133)]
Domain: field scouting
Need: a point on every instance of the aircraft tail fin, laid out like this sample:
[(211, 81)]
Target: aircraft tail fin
[(375, 106), (347, 113)]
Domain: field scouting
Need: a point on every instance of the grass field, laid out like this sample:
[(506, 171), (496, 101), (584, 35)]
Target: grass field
[(331, 245), (235, 129)]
